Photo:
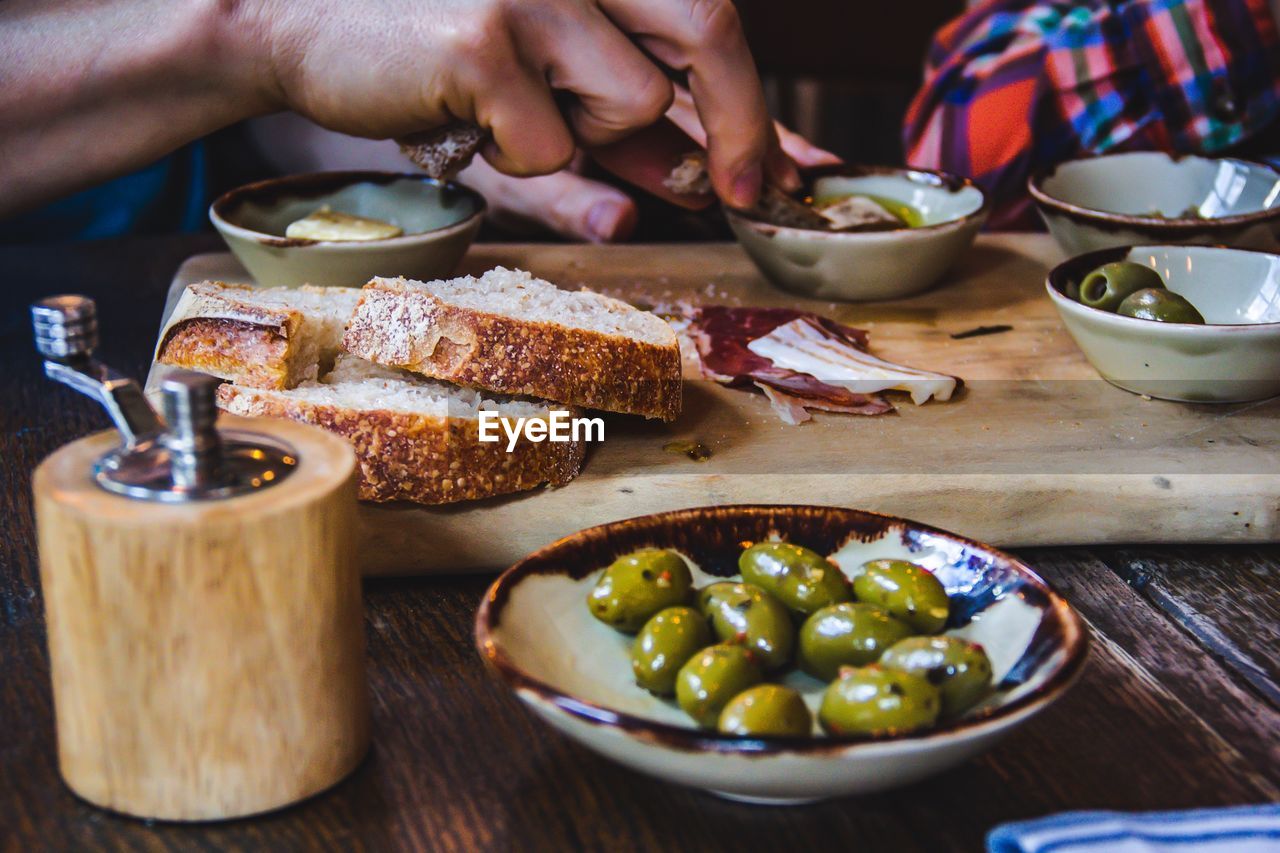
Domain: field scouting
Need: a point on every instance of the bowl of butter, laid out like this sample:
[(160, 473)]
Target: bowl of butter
[(343, 228)]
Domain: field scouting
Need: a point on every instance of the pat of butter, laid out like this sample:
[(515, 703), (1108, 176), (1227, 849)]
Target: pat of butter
[(333, 225)]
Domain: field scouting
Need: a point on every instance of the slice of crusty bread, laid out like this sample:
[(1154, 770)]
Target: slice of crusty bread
[(416, 440), (512, 333), (261, 337)]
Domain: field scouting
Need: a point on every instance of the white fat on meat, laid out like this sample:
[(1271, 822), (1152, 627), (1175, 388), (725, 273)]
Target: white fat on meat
[(804, 348), (789, 408)]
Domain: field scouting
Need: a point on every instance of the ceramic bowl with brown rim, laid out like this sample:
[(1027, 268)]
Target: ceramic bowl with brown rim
[(438, 220), (1233, 357), (869, 265), (1149, 197), (536, 634)]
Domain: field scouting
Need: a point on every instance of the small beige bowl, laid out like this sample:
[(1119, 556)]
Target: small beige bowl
[(869, 265), (439, 221), (1233, 358), (535, 632), (1104, 202)]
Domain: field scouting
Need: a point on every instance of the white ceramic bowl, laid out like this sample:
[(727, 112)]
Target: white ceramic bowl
[(439, 221), (862, 266), (534, 630), (1234, 357), (1101, 202)]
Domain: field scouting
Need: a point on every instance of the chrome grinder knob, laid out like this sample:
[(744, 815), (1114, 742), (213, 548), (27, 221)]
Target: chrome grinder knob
[(65, 327), (192, 437)]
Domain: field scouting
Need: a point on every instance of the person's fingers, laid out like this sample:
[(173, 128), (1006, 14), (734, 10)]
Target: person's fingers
[(646, 158), (704, 38), (779, 168), (530, 136), (496, 89), (801, 150), (568, 204), (616, 88), (683, 113)]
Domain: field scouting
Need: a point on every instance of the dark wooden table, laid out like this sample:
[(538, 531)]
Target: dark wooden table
[(1179, 706)]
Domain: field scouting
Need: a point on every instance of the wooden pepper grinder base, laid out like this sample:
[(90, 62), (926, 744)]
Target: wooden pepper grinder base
[(208, 657)]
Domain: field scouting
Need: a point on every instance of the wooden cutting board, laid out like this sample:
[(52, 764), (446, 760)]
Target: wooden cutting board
[(1037, 450)]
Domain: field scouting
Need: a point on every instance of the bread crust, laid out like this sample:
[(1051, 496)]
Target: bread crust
[(249, 354), (496, 353), (218, 328), (419, 458), (212, 331)]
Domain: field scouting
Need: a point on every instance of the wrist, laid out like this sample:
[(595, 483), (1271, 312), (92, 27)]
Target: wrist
[(242, 60)]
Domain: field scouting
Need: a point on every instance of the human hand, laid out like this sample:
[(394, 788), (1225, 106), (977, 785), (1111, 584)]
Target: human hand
[(579, 208), (378, 70)]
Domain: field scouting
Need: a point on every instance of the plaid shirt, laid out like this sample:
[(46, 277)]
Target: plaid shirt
[(1013, 86)]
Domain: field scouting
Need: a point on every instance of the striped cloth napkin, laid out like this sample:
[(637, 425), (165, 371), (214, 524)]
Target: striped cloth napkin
[(1244, 829)]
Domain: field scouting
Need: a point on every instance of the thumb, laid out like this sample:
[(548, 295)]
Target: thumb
[(566, 203), (804, 152)]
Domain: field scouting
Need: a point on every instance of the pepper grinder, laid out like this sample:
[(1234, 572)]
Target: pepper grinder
[(206, 639)]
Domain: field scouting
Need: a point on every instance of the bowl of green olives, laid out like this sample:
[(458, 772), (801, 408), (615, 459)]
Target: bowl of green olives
[(1197, 324), (779, 654)]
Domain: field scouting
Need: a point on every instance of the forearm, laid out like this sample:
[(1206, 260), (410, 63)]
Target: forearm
[(96, 88)]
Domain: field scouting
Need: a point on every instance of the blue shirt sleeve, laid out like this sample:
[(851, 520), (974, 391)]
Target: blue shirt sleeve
[(169, 196)]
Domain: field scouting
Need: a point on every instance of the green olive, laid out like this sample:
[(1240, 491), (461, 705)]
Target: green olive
[(907, 591), (871, 700), (1163, 306), (712, 677), (958, 668), (1107, 286), (746, 614), (847, 634), (802, 579), (664, 644), (638, 585), (766, 709)]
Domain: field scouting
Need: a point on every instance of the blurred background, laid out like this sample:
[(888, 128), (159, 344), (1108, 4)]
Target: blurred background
[(842, 73)]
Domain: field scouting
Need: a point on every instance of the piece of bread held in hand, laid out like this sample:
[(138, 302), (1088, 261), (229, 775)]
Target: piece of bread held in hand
[(690, 177), (511, 333), (445, 151), (415, 439), (273, 337)]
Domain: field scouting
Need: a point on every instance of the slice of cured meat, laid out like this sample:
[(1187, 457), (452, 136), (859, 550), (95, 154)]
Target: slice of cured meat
[(804, 346), (723, 336), (803, 361)]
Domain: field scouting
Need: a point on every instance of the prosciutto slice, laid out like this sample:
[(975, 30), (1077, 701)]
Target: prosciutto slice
[(803, 361), (803, 346), (723, 336)]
